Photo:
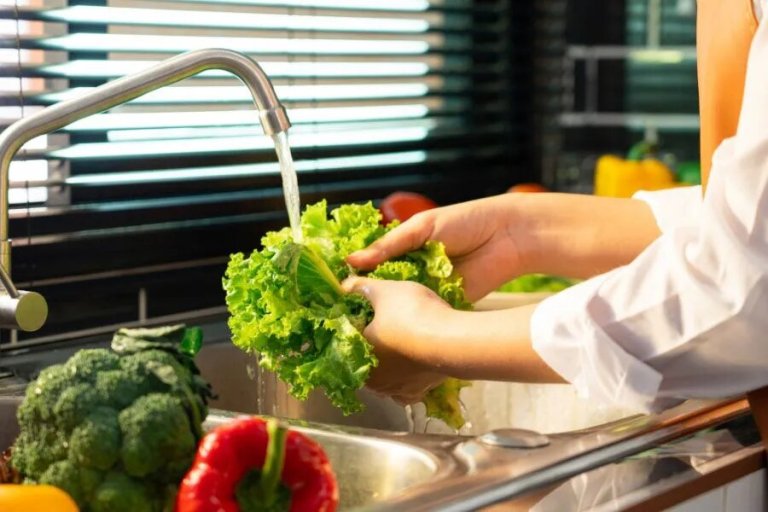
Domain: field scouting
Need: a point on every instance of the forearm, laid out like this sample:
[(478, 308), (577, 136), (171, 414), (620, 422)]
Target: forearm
[(579, 235), (484, 345)]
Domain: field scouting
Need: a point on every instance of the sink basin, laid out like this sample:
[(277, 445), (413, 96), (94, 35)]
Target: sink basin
[(370, 470), (367, 469)]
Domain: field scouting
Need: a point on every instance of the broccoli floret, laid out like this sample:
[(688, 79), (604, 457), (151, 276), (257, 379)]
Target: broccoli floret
[(37, 448), (155, 433), (121, 493), (121, 387), (96, 442), (41, 395), (86, 364), (133, 414), (74, 404), (79, 482)]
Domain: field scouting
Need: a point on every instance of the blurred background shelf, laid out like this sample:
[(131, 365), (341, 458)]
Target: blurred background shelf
[(604, 90), (635, 121), (655, 55)]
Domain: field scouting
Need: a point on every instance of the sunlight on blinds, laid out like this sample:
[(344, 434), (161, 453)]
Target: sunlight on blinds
[(157, 120), (116, 68), (172, 43), (325, 138), (234, 171), (376, 67), (127, 16), (21, 171), (239, 94)]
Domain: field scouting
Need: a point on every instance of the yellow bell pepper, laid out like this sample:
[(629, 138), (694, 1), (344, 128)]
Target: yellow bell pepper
[(617, 177), (35, 498)]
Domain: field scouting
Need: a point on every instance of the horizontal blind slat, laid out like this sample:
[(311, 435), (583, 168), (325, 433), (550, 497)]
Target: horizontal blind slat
[(305, 69), (102, 15), (403, 6)]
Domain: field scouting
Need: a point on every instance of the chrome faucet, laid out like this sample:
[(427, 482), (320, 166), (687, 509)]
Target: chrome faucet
[(28, 310)]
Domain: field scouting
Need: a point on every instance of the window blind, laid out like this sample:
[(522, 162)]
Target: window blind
[(129, 216)]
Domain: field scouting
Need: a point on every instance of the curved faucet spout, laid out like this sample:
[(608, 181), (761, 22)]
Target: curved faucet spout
[(271, 112)]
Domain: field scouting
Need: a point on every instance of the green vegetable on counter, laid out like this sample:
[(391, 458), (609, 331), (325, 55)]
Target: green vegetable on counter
[(116, 429), (531, 283), (286, 304)]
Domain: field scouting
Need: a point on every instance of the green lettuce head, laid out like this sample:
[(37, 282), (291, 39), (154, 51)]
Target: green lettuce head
[(286, 304)]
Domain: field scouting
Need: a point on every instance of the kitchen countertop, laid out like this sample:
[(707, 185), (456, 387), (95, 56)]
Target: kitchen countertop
[(653, 478)]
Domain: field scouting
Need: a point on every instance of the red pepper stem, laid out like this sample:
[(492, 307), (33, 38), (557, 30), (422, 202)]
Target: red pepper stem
[(274, 461)]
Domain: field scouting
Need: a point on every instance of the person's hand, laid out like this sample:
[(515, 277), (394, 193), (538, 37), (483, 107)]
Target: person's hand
[(420, 340), (407, 318), (480, 237), (495, 239)]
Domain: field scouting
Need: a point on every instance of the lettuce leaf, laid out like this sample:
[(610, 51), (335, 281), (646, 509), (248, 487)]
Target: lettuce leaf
[(443, 403), (531, 283), (286, 303)]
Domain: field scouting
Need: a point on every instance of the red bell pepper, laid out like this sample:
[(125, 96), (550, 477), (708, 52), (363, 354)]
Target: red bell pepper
[(403, 205), (253, 465)]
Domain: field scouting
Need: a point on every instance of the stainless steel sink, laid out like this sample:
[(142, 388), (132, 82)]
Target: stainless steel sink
[(369, 469)]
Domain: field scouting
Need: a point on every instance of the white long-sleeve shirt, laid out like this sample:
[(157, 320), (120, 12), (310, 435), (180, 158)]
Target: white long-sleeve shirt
[(688, 318)]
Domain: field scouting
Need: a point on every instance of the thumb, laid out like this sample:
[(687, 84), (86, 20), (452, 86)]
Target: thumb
[(365, 286)]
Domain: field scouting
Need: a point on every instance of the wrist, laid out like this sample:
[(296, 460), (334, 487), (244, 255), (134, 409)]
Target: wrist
[(523, 227), (489, 345), (535, 228), (429, 337), (576, 235)]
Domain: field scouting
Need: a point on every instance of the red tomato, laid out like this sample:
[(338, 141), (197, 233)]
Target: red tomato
[(528, 187), (404, 205)]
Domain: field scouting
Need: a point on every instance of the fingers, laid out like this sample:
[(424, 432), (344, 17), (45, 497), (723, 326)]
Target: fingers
[(373, 289), (405, 392), (474, 281), (409, 236), (402, 392), (381, 292), (364, 286)]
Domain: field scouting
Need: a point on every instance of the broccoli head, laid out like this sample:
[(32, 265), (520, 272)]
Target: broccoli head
[(116, 429)]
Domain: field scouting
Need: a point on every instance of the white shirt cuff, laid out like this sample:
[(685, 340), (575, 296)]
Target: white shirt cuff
[(673, 207), (572, 344)]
